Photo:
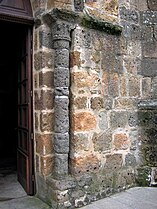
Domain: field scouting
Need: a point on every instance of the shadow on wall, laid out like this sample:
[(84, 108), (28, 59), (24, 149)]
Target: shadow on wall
[(147, 117)]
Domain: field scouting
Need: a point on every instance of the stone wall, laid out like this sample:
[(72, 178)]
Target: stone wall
[(94, 135)]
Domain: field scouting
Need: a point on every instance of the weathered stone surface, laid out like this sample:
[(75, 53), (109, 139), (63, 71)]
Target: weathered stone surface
[(79, 142), (88, 163), (44, 144), (113, 162), (102, 141), (45, 39), (134, 86), (80, 102), (129, 15), (97, 103), (118, 119), (125, 103), (60, 165), (121, 141), (130, 160), (61, 77), (149, 18), (85, 79), (44, 100), (103, 120), (83, 121), (75, 59), (47, 121), (61, 115), (46, 79), (47, 165), (152, 5)]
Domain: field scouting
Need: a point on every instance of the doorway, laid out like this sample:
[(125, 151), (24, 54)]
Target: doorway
[(16, 144)]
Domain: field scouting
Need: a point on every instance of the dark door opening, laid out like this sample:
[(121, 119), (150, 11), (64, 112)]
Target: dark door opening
[(16, 146)]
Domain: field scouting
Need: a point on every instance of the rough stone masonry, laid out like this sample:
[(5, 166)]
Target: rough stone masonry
[(95, 79)]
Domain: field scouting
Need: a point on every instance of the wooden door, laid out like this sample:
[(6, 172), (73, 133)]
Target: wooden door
[(25, 128)]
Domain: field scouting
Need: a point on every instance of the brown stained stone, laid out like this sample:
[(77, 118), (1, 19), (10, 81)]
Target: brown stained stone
[(83, 121), (44, 144), (47, 121), (113, 84), (111, 6), (96, 57), (43, 59), (97, 103), (105, 83), (102, 141), (125, 103), (121, 141), (123, 86), (44, 100), (46, 79), (134, 86), (113, 162), (85, 79), (75, 59), (50, 4), (47, 165), (84, 164), (80, 102)]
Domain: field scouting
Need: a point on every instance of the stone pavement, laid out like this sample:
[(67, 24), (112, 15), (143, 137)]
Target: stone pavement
[(134, 198), (12, 196)]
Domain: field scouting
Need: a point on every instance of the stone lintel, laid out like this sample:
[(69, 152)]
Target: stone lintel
[(83, 18), (148, 105)]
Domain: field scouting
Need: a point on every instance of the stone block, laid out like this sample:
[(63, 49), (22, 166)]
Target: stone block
[(134, 86), (61, 77), (152, 5), (125, 103), (80, 102), (45, 38), (44, 144), (118, 119), (60, 165), (121, 141), (47, 121), (150, 49), (113, 162), (61, 44), (61, 115), (44, 100), (131, 31), (149, 18), (84, 164), (97, 103), (147, 33), (85, 79), (129, 15), (79, 142), (148, 67), (61, 58), (47, 165), (43, 59), (46, 79), (83, 121), (75, 59), (102, 141), (130, 160), (146, 87), (133, 119), (103, 120), (61, 146)]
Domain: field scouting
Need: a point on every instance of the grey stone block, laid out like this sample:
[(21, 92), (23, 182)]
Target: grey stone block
[(149, 67), (61, 77), (61, 164), (149, 18), (61, 58)]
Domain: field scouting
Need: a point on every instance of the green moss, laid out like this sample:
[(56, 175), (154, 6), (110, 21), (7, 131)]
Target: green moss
[(100, 25), (84, 19), (143, 176)]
